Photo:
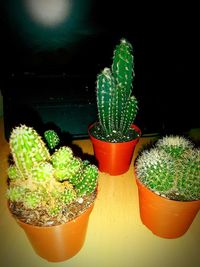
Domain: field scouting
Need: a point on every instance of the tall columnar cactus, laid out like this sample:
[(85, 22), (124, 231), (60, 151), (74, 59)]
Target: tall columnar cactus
[(171, 168), (46, 182), (105, 92), (117, 108), (28, 149)]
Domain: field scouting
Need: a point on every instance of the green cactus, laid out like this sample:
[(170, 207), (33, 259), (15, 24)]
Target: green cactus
[(38, 180), (27, 148), (16, 193), (88, 182), (61, 157), (52, 138), (13, 173), (105, 91), (117, 108), (171, 168), (122, 67), (32, 199), (68, 196), (174, 145), (75, 171), (42, 172), (60, 160)]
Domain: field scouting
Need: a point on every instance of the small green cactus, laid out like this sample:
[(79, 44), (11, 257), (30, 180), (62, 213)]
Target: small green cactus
[(13, 173), (61, 160), (117, 107), (88, 183), (32, 200), (27, 148), (42, 172), (171, 168), (52, 138), (43, 182), (16, 193)]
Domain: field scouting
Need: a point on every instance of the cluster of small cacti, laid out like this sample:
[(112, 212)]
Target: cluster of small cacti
[(171, 168), (117, 107), (41, 180)]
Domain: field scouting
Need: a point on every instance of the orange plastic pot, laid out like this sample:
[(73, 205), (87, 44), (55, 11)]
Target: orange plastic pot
[(60, 242), (165, 218), (114, 158)]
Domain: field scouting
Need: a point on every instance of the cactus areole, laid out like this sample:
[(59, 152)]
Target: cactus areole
[(117, 107), (47, 189)]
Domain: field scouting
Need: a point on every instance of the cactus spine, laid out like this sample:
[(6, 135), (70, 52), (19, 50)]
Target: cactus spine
[(117, 109), (171, 168)]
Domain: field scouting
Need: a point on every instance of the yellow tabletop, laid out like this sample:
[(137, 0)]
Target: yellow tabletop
[(116, 236)]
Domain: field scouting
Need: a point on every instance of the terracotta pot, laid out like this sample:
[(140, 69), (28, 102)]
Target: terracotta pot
[(60, 242), (114, 158), (165, 218)]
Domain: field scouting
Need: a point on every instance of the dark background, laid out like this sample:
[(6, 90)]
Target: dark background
[(59, 76)]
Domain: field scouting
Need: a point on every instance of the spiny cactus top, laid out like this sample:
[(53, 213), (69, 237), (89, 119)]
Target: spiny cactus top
[(40, 181), (171, 168), (174, 145), (117, 107), (27, 148)]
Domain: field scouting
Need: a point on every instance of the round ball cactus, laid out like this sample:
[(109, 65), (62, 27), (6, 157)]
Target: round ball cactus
[(171, 168)]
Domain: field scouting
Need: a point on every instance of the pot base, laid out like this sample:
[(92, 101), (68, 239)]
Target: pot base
[(114, 158), (164, 217), (60, 242)]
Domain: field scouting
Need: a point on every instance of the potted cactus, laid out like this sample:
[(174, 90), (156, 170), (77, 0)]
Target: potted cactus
[(168, 180), (114, 135), (51, 195)]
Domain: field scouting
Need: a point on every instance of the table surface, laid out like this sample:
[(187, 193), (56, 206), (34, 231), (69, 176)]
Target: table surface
[(115, 237)]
